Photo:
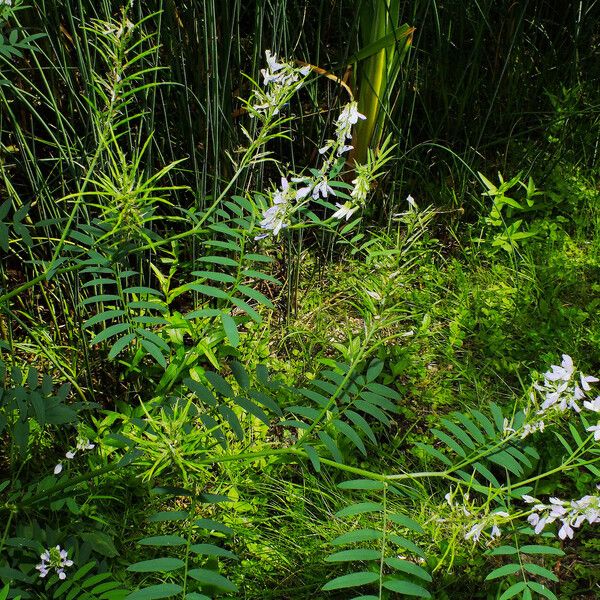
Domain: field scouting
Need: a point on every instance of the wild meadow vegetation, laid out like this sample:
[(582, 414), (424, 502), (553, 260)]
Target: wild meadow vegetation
[(299, 300)]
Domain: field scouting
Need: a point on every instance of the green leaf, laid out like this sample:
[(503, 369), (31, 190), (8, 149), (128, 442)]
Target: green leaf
[(103, 316), (219, 260), (120, 345), (313, 456), (354, 554), (539, 570), (535, 549), (359, 509), (406, 544), (504, 459), (154, 352), (219, 384), (541, 589), (162, 590), (208, 577), (406, 587), (360, 422), (347, 431), (109, 332), (174, 515), (163, 540), (503, 571), (211, 550), (513, 590), (434, 452), (358, 535), (405, 521), (503, 551), (331, 446), (352, 580), (156, 565), (255, 295), (230, 329), (450, 442), (408, 567)]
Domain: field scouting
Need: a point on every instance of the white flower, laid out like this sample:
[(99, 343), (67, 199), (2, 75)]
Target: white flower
[(596, 430), (322, 188), (344, 210), (58, 468), (586, 380), (564, 372), (475, 531), (275, 216), (70, 454), (593, 405)]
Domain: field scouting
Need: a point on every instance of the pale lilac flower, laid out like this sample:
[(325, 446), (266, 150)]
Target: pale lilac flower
[(322, 188), (344, 211), (596, 430), (274, 217), (586, 380), (571, 514), (54, 558), (564, 372), (594, 405)]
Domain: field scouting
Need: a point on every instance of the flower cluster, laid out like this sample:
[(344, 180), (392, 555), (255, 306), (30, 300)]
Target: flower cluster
[(54, 558), (491, 520), (343, 129), (281, 80), (562, 389), (571, 514), (82, 444)]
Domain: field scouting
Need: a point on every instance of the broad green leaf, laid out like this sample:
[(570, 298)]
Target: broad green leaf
[(405, 521), (450, 442), (406, 587), (458, 433), (120, 345), (103, 316), (162, 590), (219, 384), (360, 422), (352, 580), (313, 456), (230, 329), (358, 535), (513, 590), (154, 352), (542, 589), (109, 332), (435, 453), (211, 550), (359, 509), (156, 565), (484, 422), (535, 549), (348, 432), (101, 542), (503, 551), (406, 544), (541, 571), (503, 571), (208, 577), (354, 554), (331, 446), (504, 459), (408, 567), (175, 515), (163, 540)]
